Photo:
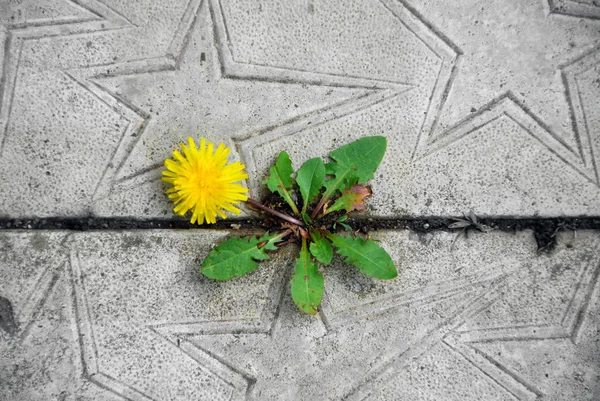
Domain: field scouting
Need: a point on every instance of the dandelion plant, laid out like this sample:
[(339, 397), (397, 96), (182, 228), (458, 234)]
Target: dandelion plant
[(313, 204)]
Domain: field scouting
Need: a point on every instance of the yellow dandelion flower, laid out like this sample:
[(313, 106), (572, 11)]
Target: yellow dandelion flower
[(203, 183)]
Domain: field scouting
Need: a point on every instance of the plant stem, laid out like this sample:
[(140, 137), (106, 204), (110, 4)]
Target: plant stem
[(284, 234), (275, 213), (288, 199), (322, 202)]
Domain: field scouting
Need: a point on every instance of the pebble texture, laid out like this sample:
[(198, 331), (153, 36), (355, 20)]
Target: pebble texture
[(486, 106)]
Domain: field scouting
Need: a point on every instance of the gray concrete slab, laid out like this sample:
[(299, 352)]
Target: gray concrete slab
[(490, 108), (486, 106), (126, 315)]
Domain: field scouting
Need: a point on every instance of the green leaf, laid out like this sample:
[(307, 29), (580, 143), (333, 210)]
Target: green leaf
[(330, 183), (369, 257), (307, 283), (351, 199), (236, 257), (321, 248), (340, 221), (268, 242), (280, 179), (310, 179), (355, 163), (346, 226), (306, 218)]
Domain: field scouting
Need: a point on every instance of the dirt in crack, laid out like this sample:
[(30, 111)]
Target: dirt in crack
[(545, 229)]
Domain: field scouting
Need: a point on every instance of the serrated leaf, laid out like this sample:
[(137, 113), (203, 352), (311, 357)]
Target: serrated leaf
[(280, 179), (351, 199), (320, 248), (355, 163), (268, 242), (310, 179), (307, 283), (236, 257), (369, 257)]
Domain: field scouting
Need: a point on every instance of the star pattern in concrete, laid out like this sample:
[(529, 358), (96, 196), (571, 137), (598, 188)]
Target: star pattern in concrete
[(523, 75), (31, 20), (490, 106), (225, 100)]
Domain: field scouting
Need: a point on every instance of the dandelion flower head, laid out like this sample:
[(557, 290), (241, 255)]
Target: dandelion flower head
[(203, 183)]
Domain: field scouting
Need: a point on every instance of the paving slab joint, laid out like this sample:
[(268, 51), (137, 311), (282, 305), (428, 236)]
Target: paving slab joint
[(544, 228)]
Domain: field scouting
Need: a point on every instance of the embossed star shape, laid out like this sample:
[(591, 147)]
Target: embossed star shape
[(524, 74), (34, 19), (199, 89), (28, 277), (191, 329), (547, 307), (300, 359)]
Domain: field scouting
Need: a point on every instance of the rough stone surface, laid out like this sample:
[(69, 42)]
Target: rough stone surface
[(125, 315), (486, 106), (489, 107)]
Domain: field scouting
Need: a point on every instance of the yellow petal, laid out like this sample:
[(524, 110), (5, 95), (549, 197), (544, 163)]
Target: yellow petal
[(203, 183)]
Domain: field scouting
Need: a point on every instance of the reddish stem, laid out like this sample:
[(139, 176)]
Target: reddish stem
[(275, 213)]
